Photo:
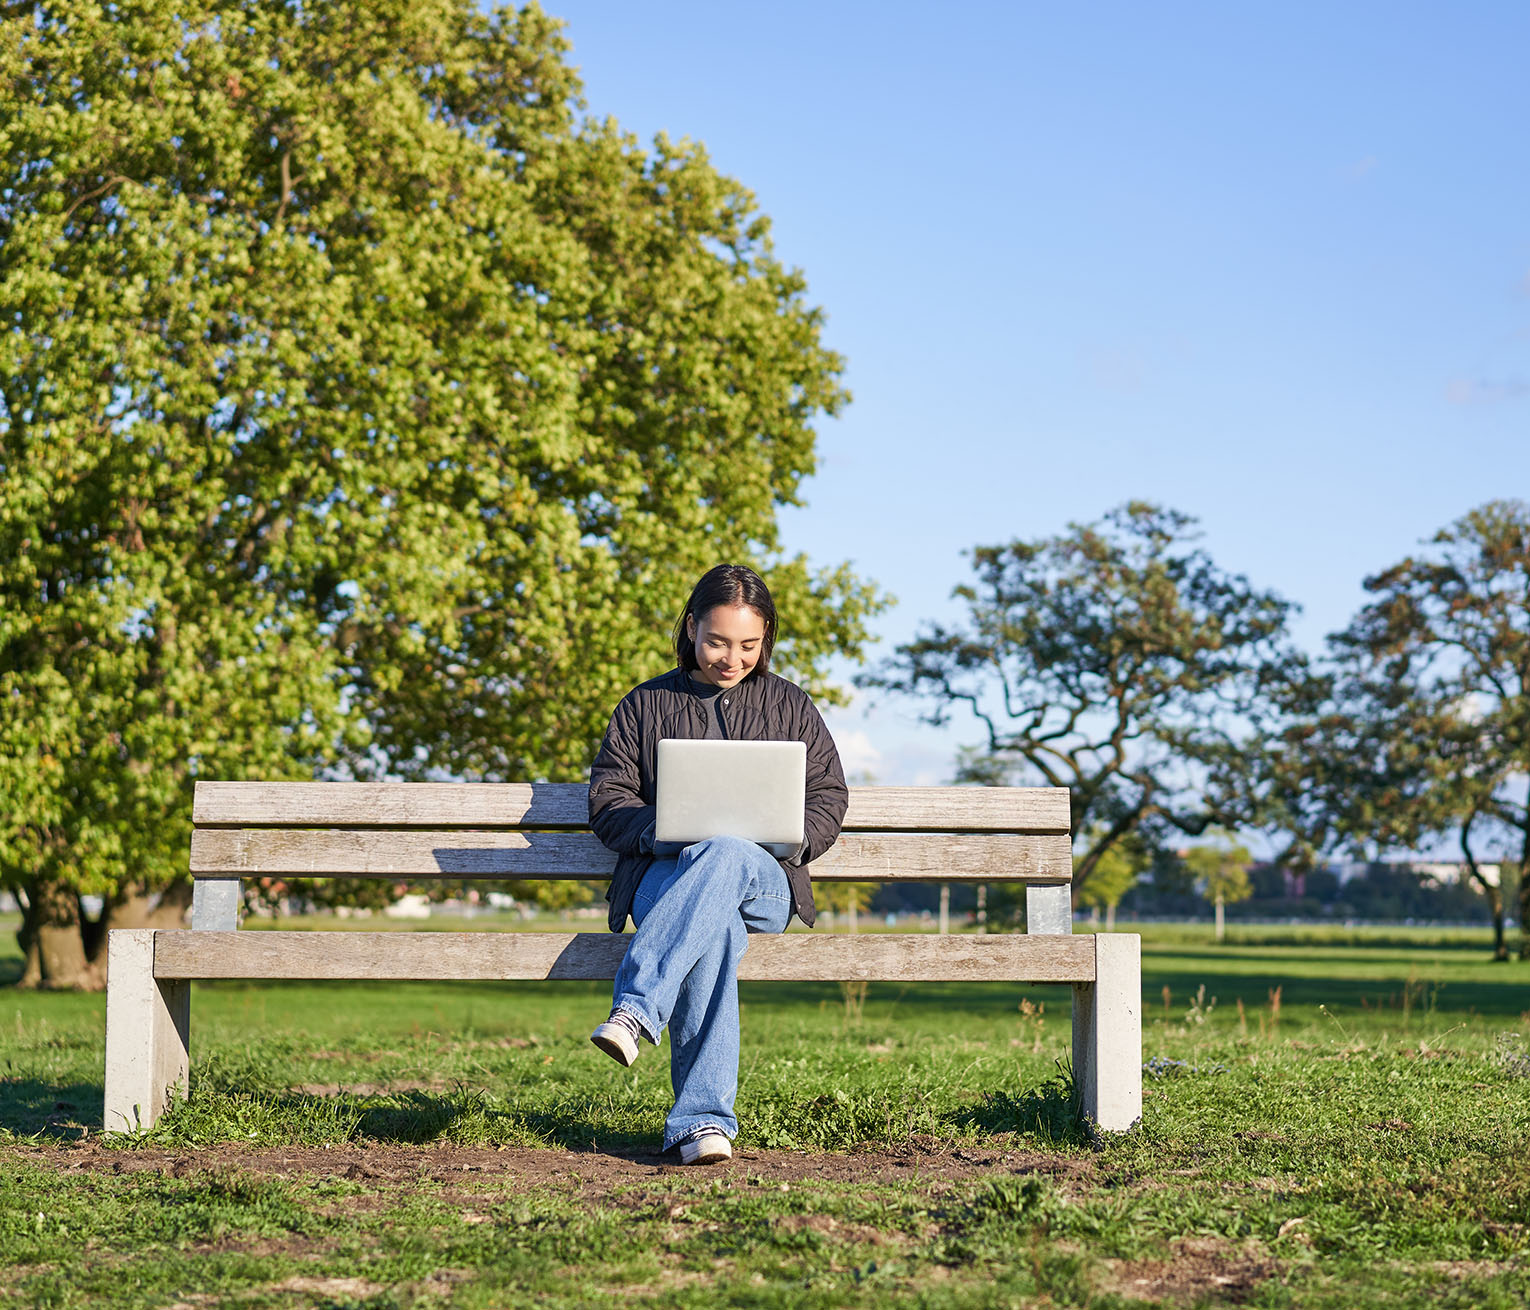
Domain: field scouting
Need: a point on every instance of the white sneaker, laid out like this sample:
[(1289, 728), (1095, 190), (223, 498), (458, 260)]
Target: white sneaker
[(705, 1147), (618, 1037)]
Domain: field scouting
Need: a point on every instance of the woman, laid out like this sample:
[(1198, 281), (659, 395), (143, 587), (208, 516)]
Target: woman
[(694, 910)]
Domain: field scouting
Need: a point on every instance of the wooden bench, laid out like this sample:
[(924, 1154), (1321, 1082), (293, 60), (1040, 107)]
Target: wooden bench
[(503, 831)]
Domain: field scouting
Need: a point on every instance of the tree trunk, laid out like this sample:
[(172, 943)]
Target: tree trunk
[(52, 927), (1524, 890), (65, 950), (1493, 891), (1110, 917), (945, 908), (26, 939), (1221, 925), (139, 909)]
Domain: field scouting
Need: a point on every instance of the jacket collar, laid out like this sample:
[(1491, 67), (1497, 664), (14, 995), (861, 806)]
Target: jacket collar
[(682, 680)]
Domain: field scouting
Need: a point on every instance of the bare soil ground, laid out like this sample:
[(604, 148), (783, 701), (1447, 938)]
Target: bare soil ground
[(474, 1180), (592, 1174), (1200, 1266)]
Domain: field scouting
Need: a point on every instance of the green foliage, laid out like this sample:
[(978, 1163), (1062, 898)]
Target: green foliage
[(361, 409), (1221, 869), (842, 897), (1115, 872), (1442, 655), (1114, 659), (1418, 729)]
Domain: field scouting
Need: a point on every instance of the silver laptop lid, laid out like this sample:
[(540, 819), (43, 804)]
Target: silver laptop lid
[(756, 790)]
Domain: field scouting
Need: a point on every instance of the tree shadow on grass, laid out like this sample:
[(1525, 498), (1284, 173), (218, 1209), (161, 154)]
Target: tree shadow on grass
[(1049, 1113), (31, 1106), (1381, 992), (463, 1117), (468, 1118)]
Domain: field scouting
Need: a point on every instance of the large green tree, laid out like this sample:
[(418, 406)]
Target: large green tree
[(362, 408), (1430, 708), (1115, 659)]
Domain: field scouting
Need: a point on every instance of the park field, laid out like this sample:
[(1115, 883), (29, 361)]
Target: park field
[(1332, 1118)]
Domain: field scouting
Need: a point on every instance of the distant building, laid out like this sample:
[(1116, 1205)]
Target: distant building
[(1448, 873)]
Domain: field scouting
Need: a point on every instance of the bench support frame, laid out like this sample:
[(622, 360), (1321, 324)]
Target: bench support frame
[(148, 1014), (1107, 1035), (148, 1033), (512, 830)]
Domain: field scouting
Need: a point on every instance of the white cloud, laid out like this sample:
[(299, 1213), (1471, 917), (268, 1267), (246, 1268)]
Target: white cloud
[(857, 753), (1120, 369), (884, 745), (1486, 391)]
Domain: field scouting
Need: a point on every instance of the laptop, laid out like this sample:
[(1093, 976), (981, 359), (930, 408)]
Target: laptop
[(756, 790)]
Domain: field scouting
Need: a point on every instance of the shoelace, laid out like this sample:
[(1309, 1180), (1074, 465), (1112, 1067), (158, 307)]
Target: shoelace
[(624, 1020)]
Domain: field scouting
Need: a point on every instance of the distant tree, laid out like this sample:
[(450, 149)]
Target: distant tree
[(1220, 869), (1115, 873), (1434, 690), (361, 409), (1115, 660), (852, 899)]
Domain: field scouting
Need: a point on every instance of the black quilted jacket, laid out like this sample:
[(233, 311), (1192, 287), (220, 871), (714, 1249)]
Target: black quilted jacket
[(761, 708)]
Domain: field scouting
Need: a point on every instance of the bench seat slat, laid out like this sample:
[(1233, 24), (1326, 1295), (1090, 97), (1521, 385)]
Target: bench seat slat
[(456, 853), (424, 956), (565, 805)]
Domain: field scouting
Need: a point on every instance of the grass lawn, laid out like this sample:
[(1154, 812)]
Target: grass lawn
[(1363, 1139)]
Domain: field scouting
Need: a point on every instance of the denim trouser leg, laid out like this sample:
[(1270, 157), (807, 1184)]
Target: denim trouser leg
[(694, 913)]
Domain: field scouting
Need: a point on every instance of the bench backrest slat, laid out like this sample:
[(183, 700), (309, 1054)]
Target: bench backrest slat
[(458, 853), (565, 805)]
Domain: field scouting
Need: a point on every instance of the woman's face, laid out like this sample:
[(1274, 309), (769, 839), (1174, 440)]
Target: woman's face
[(728, 641)]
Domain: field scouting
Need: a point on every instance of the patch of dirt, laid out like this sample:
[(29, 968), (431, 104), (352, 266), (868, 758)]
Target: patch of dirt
[(289, 1248), (842, 1230), (326, 1286), (1201, 1268), (594, 1174), (1462, 1269)]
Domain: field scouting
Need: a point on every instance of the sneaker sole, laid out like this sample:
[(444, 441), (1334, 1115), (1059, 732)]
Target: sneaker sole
[(614, 1042), (711, 1154)]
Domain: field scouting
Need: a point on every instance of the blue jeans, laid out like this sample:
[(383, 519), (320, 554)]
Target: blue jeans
[(694, 913)]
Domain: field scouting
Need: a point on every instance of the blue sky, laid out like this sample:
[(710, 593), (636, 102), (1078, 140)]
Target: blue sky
[(1267, 264)]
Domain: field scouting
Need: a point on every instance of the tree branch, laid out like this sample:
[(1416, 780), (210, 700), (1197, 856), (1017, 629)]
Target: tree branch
[(91, 195)]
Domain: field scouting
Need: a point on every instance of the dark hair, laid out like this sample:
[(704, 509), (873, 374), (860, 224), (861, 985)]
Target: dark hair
[(730, 585)]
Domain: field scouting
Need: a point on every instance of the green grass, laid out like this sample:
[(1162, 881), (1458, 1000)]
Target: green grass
[(1366, 1143)]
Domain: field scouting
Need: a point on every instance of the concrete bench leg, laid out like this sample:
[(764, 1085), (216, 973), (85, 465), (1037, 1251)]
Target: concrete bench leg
[(148, 1028), (1107, 1034)]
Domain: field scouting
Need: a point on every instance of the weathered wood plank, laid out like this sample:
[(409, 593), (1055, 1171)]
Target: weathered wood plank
[(565, 805), (456, 853), (399, 956), (958, 809), (392, 804)]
